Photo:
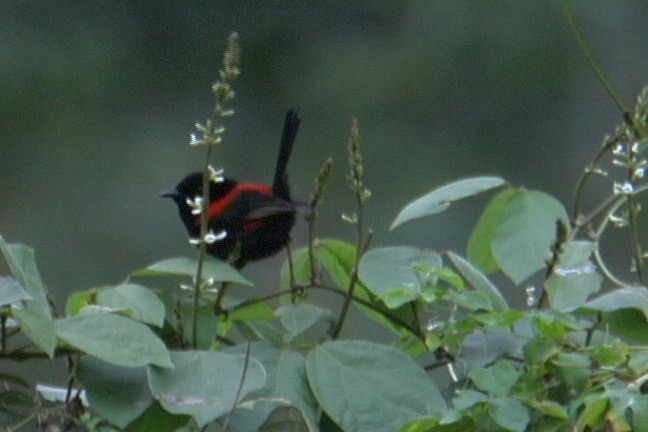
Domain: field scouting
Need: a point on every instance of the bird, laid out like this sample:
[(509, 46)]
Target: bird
[(250, 221)]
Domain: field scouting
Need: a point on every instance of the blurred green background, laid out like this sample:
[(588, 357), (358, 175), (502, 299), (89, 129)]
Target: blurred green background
[(98, 100)]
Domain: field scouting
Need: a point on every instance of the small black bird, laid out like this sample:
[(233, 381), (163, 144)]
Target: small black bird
[(255, 219)]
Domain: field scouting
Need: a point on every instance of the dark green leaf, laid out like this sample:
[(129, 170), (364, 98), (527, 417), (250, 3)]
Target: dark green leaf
[(22, 264), (286, 381), (156, 419), (522, 240), (296, 319), (204, 384), (78, 300), (479, 246), (370, 387), (285, 419), (497, 379), (118, 394), (139, 302), (212, 268), (114, 339), (479, 281), (37, 328), (439, 199), (624, 298), (574, 277), (393, 268), (510, 414)]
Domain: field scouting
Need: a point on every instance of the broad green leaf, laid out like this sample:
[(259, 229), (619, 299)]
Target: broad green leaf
[(78, 300), (156, 419), (479, 281), (22, 264), (439, 199), (471, 300), (624, 298), (479, 246), (574, 276), (114, 339), (540, 349), (509, 414), (285, 419), (480, 348), (365, 386), (286, 383), (467, 399), (338, 258), (207, 324), (204, 384), (640, 414), (254, 311), (393, 268), (301, 268), (117, 394), (631, 323), (548, 407), (497, 379), (11, 291), (424, 424), (212, 268), (296, 319), (37, 328), (639, 362), (139, 302), (522, 240)]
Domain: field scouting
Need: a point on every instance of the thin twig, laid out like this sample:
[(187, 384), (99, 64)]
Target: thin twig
[(239, 390)]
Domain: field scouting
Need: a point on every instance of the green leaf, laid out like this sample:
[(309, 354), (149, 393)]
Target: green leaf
[(480, 348), (338, 258), (114, 339), (393, 268), (286, 382), (479, 246), (522, 240), (471, 300), (365, 386), (439, 199), (540, 349), (207, 323), (11, 291), (548, 407), (296, 319), (640, 414), (118, 394), (139, 302), (639, 362), (156, 419), (497, 379), (37, 328), (479, 281), (22, 264), (285, 419), (301, 268), (510, 414), (78, 300), (212, 268), (255, 311), (630, 323), (424, 424), (204, 384), (624, 298), (574, 277)]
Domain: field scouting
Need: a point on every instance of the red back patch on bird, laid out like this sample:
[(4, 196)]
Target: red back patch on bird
[(218, 206)]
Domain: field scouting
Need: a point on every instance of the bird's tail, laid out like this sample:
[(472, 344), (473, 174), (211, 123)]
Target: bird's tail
[(291, 126)]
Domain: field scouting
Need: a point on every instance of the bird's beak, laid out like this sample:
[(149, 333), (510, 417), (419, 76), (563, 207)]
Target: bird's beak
[(171, 193)]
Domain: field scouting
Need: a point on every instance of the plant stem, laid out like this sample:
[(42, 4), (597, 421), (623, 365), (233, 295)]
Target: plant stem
[(202, 249), (573, 22)]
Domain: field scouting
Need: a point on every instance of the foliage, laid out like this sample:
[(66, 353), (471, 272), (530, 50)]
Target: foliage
[(200, 357)]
